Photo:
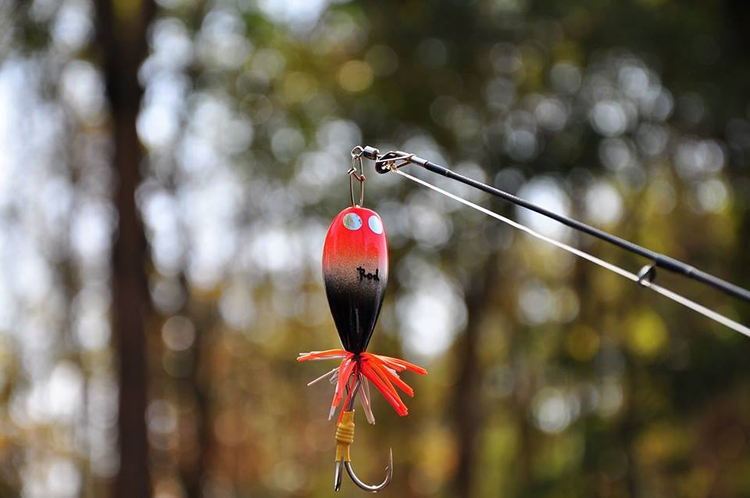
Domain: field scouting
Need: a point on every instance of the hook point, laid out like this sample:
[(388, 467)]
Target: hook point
[(337, 476)]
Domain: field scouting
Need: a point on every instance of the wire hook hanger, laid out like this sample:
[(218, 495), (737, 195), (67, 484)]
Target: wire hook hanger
[(355, 173)]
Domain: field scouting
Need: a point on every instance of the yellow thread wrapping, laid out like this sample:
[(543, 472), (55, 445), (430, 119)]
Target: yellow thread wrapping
[(344, 436)]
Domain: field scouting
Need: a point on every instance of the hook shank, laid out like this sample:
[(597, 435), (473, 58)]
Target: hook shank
[(344, 438)]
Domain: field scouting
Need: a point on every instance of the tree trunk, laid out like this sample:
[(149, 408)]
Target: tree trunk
[(194, 467), (121, 32), (467, 397)]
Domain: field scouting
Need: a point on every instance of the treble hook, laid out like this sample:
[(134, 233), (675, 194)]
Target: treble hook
[(344, 438)]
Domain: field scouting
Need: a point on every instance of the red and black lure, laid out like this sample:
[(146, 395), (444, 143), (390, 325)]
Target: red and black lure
[(355, 271)]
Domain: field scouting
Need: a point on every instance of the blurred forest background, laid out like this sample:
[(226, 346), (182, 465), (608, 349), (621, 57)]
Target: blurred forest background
[(168, 170)]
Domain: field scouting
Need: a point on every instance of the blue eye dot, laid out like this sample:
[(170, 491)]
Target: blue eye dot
[(375, 225), (352, 221)]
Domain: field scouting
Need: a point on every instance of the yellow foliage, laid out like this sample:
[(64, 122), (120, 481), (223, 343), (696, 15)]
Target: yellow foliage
[(126, 10), (298, 87), (355, 76), (660, 443), (647, 335), (582, 343)]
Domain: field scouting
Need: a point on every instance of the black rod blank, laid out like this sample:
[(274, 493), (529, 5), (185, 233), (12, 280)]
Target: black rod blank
[(394, 160)]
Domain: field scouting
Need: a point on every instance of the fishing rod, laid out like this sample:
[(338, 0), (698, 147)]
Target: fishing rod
[(395, 160)]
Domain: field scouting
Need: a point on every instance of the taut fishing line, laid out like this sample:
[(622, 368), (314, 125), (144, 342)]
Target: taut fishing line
[(604, 264)]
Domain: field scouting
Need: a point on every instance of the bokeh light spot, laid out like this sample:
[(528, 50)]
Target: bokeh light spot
[(647, 333), (355, 76)]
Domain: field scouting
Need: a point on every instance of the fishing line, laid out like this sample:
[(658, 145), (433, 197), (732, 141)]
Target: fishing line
[(589, 257)]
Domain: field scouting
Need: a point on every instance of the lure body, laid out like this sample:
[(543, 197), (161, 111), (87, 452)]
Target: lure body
[(355, 271)]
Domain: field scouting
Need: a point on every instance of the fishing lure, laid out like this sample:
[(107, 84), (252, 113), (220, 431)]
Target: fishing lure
[(355, 273)]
